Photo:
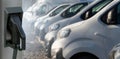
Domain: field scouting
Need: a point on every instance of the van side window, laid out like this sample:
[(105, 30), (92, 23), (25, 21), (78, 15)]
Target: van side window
[(112, 17), (73, 10), (51, 10), (57, 11), (96, 8)]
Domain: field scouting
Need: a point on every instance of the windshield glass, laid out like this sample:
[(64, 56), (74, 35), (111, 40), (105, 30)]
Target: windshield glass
[(93, 10), (73, 10), (58, 10), (99, 6)]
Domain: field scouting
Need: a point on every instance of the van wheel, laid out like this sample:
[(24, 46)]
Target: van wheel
[(84, 56)]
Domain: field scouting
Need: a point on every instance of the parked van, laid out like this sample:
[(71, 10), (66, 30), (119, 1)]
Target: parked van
[(38, 9), (71, 11), (53, 12), (93, 8), (92, 38)]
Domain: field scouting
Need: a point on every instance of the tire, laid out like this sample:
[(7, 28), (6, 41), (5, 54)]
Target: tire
[(84, 56)]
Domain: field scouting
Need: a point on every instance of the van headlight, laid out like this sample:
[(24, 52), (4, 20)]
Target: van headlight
[(64, 33), (54, 27), (45, 21), (42, 27)]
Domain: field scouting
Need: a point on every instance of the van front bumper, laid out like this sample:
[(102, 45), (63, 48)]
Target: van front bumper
[(57, 54), (50, 37)]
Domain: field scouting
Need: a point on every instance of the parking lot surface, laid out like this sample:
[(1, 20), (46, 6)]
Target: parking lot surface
[(34, 49)]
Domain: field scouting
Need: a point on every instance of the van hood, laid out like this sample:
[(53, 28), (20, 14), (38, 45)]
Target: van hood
[(74, 25)]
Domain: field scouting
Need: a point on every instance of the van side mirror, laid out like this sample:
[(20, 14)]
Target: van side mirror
[(14, 35)]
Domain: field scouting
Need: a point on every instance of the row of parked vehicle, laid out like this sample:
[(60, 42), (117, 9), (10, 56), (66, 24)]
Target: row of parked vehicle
[(85, 30)]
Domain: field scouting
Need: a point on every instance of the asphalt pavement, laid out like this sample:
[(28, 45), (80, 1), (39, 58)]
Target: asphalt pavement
[(34, 49)]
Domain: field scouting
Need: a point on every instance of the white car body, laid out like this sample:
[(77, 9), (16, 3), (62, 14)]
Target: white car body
[(52, 13), (39, 9), (94, 37), (44, 27), (50, 37), (35, 11)]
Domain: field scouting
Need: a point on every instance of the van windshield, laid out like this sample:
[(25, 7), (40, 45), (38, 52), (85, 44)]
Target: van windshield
[(58, 10), (96, 8), (73, 10), (99, 6)]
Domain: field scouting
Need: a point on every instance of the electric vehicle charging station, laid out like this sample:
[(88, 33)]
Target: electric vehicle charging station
[(14, 35), (7, 49)]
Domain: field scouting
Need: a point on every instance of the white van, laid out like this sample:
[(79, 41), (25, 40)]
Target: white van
[(92, 38), (53, 12), (37, 10), (94, 7), (71, 11)]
